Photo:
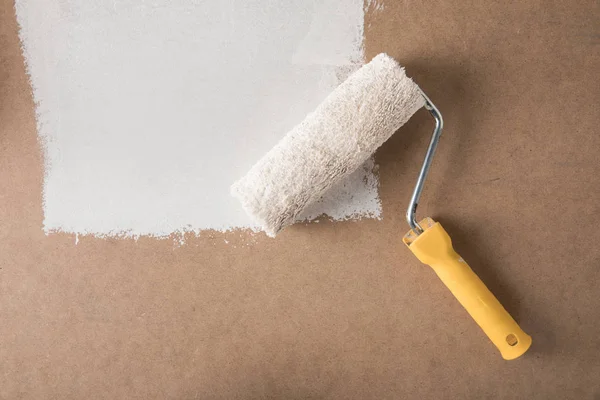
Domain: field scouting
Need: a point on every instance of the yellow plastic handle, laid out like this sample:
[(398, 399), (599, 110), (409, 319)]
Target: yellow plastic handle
[(434, 248)]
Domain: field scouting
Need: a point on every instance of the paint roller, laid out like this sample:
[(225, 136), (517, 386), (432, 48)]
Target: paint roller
[(335, 140)]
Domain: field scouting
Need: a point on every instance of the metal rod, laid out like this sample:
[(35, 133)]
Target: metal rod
[(414, 200)]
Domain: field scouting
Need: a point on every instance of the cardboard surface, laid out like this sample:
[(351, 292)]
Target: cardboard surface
[(342, 310)]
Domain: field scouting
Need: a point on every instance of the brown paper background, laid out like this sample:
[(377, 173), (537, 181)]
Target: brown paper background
[(342, 310)]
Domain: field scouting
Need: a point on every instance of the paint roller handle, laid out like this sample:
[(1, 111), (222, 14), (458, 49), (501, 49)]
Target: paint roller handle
[(434, 247)]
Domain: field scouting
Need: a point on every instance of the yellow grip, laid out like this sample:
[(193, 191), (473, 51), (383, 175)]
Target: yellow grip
[(434, 248)]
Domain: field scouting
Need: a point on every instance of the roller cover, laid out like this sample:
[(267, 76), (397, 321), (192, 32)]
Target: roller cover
[(331, 143)]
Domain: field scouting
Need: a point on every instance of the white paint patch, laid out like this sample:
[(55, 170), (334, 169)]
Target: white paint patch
[(375, 5), (150, 109)]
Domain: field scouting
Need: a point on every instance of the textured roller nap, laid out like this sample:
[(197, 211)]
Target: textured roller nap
[(332, 142)]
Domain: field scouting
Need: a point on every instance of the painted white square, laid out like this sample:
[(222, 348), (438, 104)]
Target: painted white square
[(149, 110)]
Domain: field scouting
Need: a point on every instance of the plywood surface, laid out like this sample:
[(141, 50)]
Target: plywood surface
[(341, 310)]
